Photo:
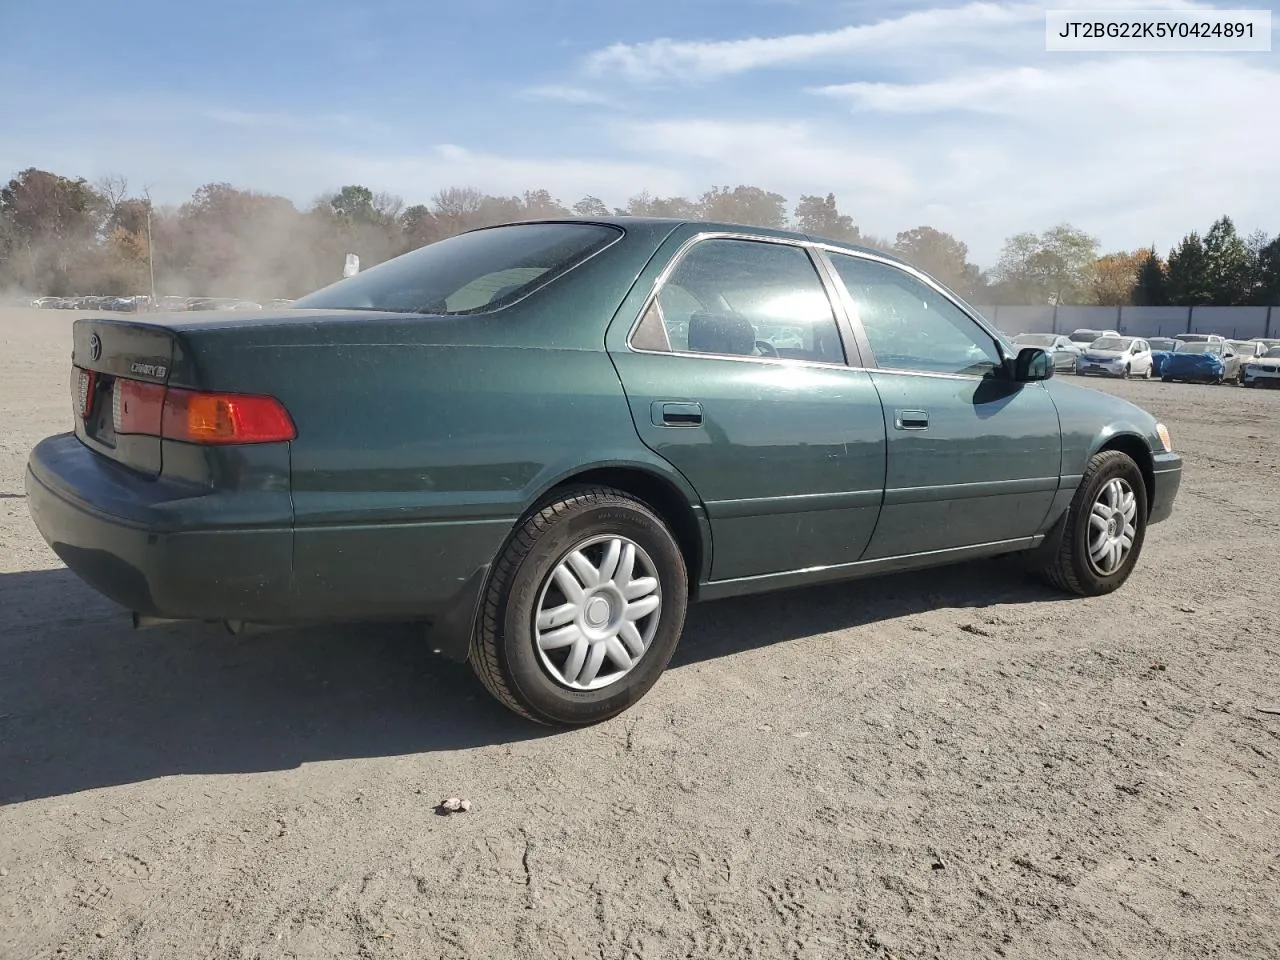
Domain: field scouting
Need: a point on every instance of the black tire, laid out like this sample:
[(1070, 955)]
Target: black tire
[(1070, 569), (503, 653)]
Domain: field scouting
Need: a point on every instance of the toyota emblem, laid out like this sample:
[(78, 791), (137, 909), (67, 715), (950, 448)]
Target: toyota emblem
[(95, 347)]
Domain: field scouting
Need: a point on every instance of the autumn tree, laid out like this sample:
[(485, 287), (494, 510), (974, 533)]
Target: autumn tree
[(821, 217), (942, 256), (418, 226), (644, 204), (52, 224), (1115, 275), (1056, 267), (745, 205)]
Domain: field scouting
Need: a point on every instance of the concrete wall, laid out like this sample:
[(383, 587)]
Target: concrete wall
[(1088, 318), (1237, 323), (1234, 323), (1154, 321), (1016, 320)]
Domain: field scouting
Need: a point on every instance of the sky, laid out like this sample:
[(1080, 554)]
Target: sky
[(913, 112)]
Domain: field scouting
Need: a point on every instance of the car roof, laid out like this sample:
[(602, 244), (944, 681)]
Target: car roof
[(712, 226)]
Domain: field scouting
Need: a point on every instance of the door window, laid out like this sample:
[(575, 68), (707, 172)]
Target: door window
[(743, 298), (911, 326)]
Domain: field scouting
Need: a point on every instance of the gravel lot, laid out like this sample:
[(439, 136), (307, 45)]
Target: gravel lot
[(950, 764)]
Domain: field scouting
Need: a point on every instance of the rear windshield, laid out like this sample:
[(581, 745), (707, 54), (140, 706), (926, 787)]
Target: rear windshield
[(1035, 339), (470, 273), (1083, 336)]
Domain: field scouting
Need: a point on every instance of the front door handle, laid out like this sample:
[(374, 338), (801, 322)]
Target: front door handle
[(672, 413), (911, 419)]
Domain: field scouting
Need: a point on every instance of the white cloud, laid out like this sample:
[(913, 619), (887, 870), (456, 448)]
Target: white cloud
[(567, 178), (970, 27), (565, 93)]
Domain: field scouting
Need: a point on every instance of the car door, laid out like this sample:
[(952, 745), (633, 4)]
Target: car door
[(1065, 354), (736, 374), (1142, 358), (972, 457)]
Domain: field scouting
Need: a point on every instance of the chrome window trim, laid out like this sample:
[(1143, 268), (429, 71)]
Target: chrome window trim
[(818, 268), (828, 248)]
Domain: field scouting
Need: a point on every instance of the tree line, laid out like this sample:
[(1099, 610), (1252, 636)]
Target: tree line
[(64, 236)]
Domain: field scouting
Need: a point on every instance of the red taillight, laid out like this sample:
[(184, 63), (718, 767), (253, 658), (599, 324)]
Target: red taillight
[(82, 382), (188, 415), (224, 418), (137, 407)]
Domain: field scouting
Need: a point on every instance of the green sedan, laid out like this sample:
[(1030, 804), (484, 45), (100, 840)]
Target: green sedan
[(544, 440)]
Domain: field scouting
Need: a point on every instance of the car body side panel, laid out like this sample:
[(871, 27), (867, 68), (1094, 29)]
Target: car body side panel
[(985, 469), (401, 491), (788, 459)]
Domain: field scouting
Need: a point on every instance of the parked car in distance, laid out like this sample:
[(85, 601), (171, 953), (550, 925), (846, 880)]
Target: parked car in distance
[(1084, 336), (172, 303), (530, 435), (1262, 371), (1200, 338), (1065, 353), (1247, 350), (1268, 343), (1116, 357), (1161, 347), (1201, 361)]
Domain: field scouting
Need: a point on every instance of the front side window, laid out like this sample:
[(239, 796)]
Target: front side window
[(471, 273), (911, 326), (743, 298)]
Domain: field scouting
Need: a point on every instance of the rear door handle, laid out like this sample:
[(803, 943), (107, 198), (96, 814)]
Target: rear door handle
[(911, 419), (672, 413)]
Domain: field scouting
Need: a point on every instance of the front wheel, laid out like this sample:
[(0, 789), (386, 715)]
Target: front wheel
[(584, 609), (1104, 528)]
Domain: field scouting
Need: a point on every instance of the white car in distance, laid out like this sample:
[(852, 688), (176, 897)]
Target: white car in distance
[(1116, 356)]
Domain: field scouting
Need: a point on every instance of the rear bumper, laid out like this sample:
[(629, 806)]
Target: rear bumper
[(155, 547), (1167, 476), (123, 535)]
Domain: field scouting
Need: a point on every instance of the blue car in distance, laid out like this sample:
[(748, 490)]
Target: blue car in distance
[(1161, 347), (1201, 362)]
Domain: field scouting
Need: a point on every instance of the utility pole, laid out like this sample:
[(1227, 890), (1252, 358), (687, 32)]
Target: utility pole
[(151, 260)]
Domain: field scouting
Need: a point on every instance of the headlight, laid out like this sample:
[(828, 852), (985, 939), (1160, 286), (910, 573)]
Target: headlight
[(1163, 433)]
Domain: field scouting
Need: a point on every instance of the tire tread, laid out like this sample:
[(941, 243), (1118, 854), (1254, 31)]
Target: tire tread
[(484, 657), (1060, 572)]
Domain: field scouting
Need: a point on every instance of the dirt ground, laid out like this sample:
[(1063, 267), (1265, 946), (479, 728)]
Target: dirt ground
[(959, 763)]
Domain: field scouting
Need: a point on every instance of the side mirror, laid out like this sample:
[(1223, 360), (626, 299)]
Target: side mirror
[(1032, 364)]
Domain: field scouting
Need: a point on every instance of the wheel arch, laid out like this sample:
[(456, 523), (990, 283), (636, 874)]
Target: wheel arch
[(1137, 450), (682, 515)]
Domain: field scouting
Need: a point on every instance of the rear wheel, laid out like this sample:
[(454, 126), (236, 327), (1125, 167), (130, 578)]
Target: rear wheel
[(584, 609), (1104, 530)]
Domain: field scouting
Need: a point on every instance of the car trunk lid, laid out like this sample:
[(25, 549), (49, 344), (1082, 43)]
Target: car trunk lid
[(113, 359)]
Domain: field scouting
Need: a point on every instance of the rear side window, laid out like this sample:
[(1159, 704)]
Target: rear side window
[(753, 298), (470, 273)]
